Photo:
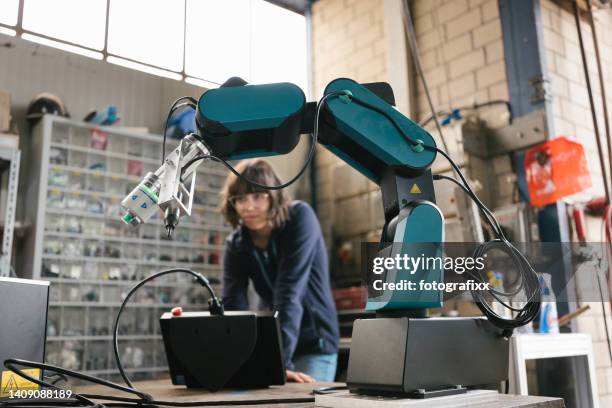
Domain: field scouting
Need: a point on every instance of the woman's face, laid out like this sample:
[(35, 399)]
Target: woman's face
[(252, 208)]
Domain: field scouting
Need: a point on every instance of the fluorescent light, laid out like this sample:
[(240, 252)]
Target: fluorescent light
[(201, 83), (8, 31), (144, 68), (62, 46)]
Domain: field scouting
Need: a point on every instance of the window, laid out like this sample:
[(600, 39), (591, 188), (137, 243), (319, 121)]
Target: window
[(278, 45), (253, 39), (75, 21), (8, 12), (218, 39), (201, 41), (149, 31)]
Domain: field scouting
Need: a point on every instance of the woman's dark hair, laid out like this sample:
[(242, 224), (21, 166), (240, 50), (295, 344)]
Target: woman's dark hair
[(259, 171)]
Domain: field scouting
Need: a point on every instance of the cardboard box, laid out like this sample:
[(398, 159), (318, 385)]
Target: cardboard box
[(5, 111)]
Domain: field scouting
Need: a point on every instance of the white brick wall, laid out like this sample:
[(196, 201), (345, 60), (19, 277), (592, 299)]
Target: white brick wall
[(572, 118), (463, 55), (349, 40), (463, 58)]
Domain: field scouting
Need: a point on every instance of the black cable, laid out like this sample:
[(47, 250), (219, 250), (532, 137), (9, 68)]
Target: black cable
[(531, 283), (475, 106), (602, 82), (311, 152), (175, 106), (216, 308), (605, 319), (424, 122), (330, 390), (530, 311), (143, 400), (530, 276), (60, 377), (12, 362), (414, 52), (587, 77)]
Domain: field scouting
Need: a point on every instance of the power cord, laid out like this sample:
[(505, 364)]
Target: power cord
[(177, 104), (142, 400), (530, 277), (215, 308), (474, 106)]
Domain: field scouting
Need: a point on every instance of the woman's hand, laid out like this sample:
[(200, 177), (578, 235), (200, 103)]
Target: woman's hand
[(298, 377)]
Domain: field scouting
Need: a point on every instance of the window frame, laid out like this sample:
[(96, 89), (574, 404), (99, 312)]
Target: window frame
[(156, 70)]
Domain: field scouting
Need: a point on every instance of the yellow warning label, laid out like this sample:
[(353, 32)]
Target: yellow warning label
[(13, 382), (415, 189)]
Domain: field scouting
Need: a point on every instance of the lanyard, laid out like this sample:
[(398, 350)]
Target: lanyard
[(261, 264)]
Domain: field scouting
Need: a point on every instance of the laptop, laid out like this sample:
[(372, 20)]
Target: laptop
[(23, 329)]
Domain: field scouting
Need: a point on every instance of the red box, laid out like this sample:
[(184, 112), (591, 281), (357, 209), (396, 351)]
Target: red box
[(350, 298)]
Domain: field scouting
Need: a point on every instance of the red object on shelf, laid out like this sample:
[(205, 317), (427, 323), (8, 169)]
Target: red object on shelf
[(578, 215), (554, 170), (134, 168), (177, 311), (596, 206), (350, 298), (99, 139)]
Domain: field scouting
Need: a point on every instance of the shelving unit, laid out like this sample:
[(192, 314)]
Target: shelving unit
[(9, 162), (79, 243)]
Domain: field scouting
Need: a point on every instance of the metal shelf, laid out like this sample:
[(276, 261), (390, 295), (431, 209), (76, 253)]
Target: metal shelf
[(77, 213), (129, 261), (100, 152), (120, 197), (71, 171), (123, 156), (124, 337), (110, 304), (119, 283), (127, 370), (147, 241)]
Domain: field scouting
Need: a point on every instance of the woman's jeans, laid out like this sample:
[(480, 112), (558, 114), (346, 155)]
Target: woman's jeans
[(321, 367)]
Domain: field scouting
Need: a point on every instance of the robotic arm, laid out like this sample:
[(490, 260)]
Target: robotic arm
[(238, 122), (359, 124), (356, 122)]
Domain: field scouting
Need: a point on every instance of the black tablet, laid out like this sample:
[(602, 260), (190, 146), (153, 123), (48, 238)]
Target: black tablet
[(236, 350)]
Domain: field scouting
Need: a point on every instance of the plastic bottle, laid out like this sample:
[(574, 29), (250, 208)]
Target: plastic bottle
[(549, 320)]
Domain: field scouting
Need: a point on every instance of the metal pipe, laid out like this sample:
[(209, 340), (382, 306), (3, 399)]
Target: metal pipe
[(591, 101), (604, 100)]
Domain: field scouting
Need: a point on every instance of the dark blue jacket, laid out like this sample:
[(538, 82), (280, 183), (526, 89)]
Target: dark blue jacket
[(299, 288)]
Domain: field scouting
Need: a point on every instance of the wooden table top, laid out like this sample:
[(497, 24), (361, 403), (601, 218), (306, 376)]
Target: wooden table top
[(163, 390)]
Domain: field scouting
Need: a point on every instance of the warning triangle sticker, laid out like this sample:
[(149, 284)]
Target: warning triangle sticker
[(11, 385), (415, 189), (11, 382)]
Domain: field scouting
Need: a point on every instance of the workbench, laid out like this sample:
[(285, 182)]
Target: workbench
[(164, 390)]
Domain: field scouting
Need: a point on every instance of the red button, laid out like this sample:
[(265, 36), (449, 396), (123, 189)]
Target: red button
[(177, 311)]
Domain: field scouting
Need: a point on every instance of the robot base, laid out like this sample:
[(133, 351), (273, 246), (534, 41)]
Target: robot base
[(425, 357)]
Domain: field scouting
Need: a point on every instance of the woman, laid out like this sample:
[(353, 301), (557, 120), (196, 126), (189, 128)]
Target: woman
[(277, 244)]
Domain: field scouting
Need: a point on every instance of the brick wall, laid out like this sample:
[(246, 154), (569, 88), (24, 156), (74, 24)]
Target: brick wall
[(572, 118), (362, 40), (462, 54), (461, 49)]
